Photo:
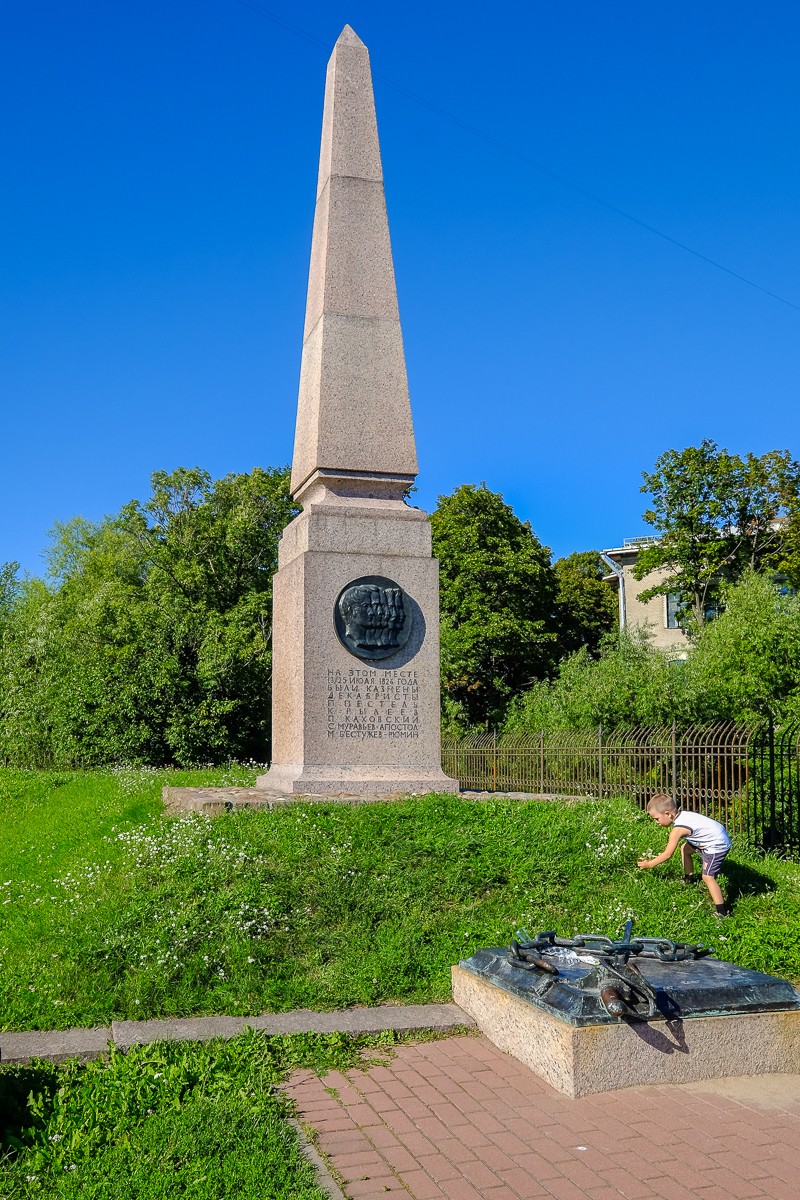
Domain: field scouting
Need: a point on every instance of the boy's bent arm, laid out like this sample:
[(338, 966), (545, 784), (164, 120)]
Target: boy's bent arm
[(678, 832)]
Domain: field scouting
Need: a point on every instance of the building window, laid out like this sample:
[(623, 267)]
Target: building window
[(674, 610)]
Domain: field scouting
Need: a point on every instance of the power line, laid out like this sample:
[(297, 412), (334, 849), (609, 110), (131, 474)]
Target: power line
[(531, 162)]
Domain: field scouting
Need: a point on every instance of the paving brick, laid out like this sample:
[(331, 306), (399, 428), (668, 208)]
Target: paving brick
[(417, 1144), (741, 1167), (364, 1158), (379, 1186), (439, 1167), (382, 1137), (412, 1107), (564, 1189), (420, 1185), (630, 1187), (373, 1168), (395, 1089), (410, 1078), (597, 1161), (460, 1189), (487, 1123), (507, 1141), (455, 1072), (381, 1074), (581, 1175), (603, 1193), (670, 1189), (520, 1180), (432, 1128), (343, 1143), (459, 1151), (743, 1188), (778, 1189), (364, 1081), (363, 1115), (465, 1102), (786, 1150), (473, 1137), (478, 1091), (399, 1158), (399, 1122), (551, 1151), (537, 1167), (448, 1114), (340, 1123), (496, 1159), (502, 1192)]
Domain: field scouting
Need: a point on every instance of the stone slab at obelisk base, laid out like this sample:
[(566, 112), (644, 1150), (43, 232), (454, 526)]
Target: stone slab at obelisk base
[(356, 596)]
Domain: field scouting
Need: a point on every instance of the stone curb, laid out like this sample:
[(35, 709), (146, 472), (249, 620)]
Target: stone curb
[(307, 1148), (84, 1044), (57, 1045)]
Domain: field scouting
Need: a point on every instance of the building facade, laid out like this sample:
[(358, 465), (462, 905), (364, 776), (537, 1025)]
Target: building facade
[(659, 614)]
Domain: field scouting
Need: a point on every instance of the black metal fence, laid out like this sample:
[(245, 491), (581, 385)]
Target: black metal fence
[(747, 776)]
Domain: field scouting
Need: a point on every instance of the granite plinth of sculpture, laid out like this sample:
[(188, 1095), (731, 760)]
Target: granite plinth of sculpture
[(592, 1013)]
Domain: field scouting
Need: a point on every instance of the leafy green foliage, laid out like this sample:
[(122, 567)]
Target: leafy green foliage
[(204, 1122), (630, 684), (716, 516), (321, 906), (586, 605), (747, 662), (152, 641), (744, 665), (497, 598)]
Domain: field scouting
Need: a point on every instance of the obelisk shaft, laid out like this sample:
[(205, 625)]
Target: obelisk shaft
[(355, 666), (353, 415)]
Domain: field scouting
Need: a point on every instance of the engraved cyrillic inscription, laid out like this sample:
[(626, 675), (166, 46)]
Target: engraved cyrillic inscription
[(366, 703)]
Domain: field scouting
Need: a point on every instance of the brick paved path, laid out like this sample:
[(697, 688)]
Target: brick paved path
[(456, 1119)]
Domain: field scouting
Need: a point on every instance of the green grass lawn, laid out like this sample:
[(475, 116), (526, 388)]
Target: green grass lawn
[(111, 909), (199, 1122)]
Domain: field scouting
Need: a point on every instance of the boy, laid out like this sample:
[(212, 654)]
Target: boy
[(702, 834)]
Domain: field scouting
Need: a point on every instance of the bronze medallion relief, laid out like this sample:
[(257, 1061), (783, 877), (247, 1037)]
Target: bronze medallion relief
[(373, 617)]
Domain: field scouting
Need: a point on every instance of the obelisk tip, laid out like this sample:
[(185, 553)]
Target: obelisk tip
[(349, 37)]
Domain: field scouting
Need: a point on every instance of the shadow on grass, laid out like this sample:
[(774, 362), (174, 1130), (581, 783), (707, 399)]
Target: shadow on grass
[(746, 881), (17, 1122)]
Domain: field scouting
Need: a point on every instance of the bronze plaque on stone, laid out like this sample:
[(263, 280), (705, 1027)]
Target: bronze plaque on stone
[(373, 617)]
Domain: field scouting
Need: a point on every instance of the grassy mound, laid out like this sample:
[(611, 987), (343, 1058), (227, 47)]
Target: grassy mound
[(114, 910)]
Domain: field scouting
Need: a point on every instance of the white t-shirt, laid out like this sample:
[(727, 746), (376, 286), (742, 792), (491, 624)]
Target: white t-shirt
[(705, 833)]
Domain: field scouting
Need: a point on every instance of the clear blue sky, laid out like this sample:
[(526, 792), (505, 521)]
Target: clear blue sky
[(159, 162)]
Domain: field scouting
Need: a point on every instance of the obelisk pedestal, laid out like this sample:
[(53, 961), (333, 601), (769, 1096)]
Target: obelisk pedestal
[(356, 602)]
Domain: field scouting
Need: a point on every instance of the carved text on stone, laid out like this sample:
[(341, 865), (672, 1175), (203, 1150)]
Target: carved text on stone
[(366, 703)]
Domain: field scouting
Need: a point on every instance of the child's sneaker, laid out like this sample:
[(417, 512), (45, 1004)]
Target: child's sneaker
[(722, 910), (691, 879)]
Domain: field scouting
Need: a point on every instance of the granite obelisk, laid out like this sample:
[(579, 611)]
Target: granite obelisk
[(356, 602)]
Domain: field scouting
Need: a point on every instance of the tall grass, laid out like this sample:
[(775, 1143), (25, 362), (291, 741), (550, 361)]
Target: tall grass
[(114, 910), (199, 1122)]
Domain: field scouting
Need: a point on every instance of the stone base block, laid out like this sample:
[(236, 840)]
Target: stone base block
[(601, 1058), (213, 802), (332, 781)]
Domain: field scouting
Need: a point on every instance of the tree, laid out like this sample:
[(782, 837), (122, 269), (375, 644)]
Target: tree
[(716, 515), (498, 604), (152, 640), (586, 606), (746, 664)]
